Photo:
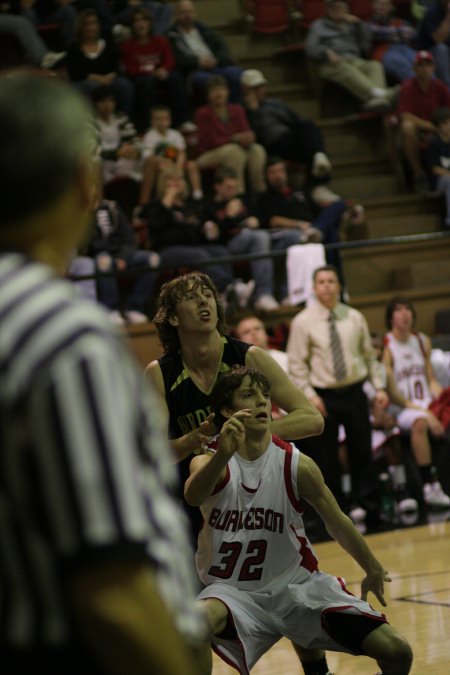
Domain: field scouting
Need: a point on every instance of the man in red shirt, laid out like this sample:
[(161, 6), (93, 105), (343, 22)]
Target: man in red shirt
[(226, 139), (419, 97)]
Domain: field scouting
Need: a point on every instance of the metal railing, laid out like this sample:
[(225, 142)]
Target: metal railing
[(247, 257)]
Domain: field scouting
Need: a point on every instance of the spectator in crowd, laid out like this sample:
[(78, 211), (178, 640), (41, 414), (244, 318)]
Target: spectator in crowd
[(292, 217), (433, 33), (119, 143), (149, 62), (93, 61), (231, 223), (94, 547), (272, 586), (419, 97), (413, 386), (340, 42), (161, 13), (281, 130), (252, 330), (201, 53), (391, 41), (438, 157), (177, 233), (33, 50), (163, 147), (225, 137), (330, 357), (112, 246)]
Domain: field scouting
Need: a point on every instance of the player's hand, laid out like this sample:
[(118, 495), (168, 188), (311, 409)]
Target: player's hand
[(374, 582), (232, 434), (198, 438)]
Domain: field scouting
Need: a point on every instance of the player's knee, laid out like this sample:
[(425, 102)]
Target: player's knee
[(420, 426), (389, 648), (398, 652)]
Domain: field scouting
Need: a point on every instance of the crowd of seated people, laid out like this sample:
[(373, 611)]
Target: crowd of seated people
[(166, 93)]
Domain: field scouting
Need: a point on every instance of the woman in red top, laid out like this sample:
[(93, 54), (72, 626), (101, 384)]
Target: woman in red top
[(225, 137), (148, 60)]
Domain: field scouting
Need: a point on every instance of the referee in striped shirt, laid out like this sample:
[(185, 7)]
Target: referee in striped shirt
[(95, 573)]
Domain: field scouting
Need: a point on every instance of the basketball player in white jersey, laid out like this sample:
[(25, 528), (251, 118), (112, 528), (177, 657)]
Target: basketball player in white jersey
[(412, 385), (260, 574)]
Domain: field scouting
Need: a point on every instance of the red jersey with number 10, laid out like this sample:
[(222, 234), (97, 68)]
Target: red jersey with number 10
[(253, 533)]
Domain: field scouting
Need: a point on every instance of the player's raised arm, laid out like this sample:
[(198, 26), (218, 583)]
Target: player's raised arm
[(302, 419), (312, 488), (209, 470)]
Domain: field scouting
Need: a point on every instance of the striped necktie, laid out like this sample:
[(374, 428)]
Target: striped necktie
[(340, 370)]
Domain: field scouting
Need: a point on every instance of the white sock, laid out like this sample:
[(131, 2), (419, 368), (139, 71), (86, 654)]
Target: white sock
[(346, 483), (378, 92), (398, 475)]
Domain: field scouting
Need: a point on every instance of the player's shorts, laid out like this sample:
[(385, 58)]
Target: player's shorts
[(296, 611), (408, 416)]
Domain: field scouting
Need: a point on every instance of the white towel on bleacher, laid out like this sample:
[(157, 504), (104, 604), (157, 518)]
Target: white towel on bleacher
[(301, 261)]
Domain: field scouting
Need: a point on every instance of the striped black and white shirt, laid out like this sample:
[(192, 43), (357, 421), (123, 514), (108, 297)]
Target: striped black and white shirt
[(84, 468)]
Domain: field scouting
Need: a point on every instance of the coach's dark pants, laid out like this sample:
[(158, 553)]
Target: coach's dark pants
[(347, 406)]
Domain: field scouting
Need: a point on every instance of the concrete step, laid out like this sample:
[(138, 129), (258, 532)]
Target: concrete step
[(347, 137), (307, 107), (364, 187), (372, 269), (406, 204), (275, 69), (220, 12), (364, 165), (422, 274), (394, 226)]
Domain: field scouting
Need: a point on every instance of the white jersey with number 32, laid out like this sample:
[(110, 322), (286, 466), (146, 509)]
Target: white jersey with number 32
[(253, 531)]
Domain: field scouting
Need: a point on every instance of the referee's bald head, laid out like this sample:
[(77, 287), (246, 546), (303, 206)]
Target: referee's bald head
[(46, 131)]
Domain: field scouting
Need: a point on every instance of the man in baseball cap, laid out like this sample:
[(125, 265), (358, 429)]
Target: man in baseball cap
[(252, 78), (281, 130), (419, 97), (424, 57)]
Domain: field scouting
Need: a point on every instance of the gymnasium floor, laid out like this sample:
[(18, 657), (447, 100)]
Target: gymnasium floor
[(418, 560)]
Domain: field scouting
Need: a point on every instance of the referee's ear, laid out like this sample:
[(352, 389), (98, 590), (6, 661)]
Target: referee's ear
[(173, 320)]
